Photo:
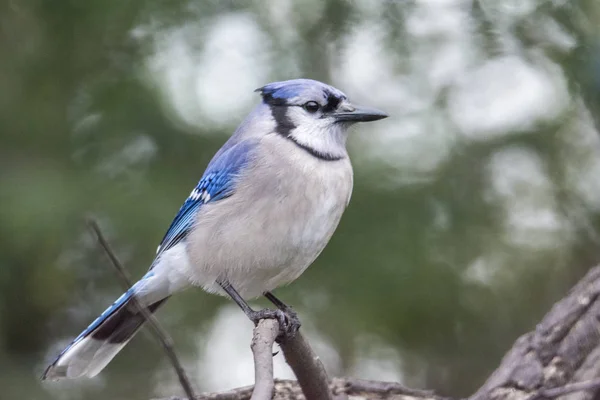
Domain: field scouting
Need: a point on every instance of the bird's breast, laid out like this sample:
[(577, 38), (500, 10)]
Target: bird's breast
[(283, 211), (300, 201)]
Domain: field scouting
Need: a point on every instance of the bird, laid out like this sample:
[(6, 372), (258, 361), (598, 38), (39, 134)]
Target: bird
[(266, 206)]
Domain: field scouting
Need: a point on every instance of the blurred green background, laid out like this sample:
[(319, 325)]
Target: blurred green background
[(476, 204)]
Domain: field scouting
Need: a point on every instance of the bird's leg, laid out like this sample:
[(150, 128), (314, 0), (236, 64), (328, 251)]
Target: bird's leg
[(293, 320), (288, 326), (235, 296), (283, 307), (278, 303)]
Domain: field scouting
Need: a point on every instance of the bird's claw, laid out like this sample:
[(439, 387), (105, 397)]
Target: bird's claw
[(288, 321)]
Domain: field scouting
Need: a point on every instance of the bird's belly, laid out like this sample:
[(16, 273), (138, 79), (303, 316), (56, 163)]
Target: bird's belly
[(269, 243), (264, 249)]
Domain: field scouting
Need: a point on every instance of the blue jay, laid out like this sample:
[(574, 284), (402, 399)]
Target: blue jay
[(266, 206)]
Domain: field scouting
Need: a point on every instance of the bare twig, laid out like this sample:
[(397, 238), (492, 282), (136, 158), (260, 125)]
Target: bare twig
[(264, 336), (157, 331), (307, 367)]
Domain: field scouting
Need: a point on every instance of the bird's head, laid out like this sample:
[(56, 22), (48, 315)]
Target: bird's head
[(314, 115)]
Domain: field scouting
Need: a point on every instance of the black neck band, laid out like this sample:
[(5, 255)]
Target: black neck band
[(313, 152)]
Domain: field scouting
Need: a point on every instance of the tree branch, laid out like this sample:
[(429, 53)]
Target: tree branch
[(155, 328), (307, 367), (264, 336), (563, 349)]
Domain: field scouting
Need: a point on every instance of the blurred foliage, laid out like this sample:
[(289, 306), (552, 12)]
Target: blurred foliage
[(445, 263)]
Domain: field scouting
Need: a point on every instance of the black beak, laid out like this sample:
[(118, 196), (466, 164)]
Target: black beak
[(351, 113)]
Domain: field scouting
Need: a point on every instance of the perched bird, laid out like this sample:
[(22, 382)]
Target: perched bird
[(266, 206)]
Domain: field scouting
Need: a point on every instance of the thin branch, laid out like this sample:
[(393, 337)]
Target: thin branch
[(307, 367), (263, 339), (157, 331)]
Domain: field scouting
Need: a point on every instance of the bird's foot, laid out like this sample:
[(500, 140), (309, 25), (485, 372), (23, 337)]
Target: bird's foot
[(289, 323)]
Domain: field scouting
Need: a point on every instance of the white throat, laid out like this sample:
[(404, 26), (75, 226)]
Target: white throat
[(327, 142)]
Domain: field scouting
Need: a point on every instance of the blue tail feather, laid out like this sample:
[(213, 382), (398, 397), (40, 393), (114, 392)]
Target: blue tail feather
[(100, 341), (114, 307)]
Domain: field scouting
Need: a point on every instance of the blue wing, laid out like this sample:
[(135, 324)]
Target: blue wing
[(218, 182)]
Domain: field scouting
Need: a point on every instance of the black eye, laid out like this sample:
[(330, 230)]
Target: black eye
[(311, 106)]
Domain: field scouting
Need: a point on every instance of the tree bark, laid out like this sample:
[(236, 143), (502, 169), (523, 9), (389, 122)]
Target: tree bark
[(564, 348), (307, 367)]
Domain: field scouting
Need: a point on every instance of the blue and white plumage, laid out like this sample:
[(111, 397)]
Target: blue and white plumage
[(265, 208)]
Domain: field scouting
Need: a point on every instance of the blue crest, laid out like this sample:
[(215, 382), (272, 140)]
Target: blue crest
[(283, 92)]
